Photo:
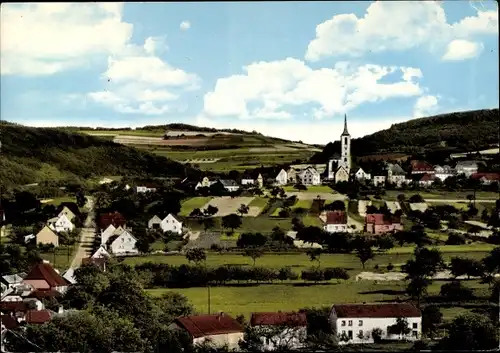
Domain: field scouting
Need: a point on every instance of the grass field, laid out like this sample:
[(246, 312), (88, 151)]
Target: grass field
[(391, 195), (259, 202), (61, 260), (288, 297), (196, 202), (261, 223), (302, 204), (310, 188), (58, 200)]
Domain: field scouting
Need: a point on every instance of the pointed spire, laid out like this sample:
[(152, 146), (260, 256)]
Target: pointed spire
[(345, 126)]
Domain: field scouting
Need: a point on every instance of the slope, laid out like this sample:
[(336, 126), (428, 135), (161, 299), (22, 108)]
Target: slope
[(31, 155)]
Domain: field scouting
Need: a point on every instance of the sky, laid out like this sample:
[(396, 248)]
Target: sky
[(285, 69)]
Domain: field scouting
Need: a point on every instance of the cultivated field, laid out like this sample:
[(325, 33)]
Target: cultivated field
[(228, 205), (304, 195), (189, 205)]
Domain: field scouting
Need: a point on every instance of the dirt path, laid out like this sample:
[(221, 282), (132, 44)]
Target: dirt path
[(457, 201), (86, 237)]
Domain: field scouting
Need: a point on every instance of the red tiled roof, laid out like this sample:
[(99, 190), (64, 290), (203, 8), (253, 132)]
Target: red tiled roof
[(487, 176), (46, 271), (206, 325), (13, 306), (9, 322), (336, 217), (114, 218), (275, 319), (379, 219), (376, 310), (37, 316), (421, 166)]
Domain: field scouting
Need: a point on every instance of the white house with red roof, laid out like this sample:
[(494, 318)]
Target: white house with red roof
[(280, 330), (486, 178), (378, 223), (421, 167), (354, 323), (336, 222), (220, 329)]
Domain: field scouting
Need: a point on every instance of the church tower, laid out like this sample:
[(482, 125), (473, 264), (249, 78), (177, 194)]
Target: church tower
[(345, 147)]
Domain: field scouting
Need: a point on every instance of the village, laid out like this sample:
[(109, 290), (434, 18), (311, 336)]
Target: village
[(280, 218)]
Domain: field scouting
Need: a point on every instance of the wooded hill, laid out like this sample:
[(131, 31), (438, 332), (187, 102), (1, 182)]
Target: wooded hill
[(31, 155), (447, 133)]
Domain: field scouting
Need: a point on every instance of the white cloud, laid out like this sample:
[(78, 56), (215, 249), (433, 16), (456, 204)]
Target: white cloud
[(266, 89), (185, 25), (43, 39), (461, 49), (425, 105), (397, 26)]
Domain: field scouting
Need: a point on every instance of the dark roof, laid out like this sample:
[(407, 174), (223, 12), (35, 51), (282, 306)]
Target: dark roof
[(9, 322), (45, 271), (421, 166), (336, 217), (379, 219), (114, 218), (376, 310), (228, 182), (40, 293), (345, 132), (487, 176), (99, 262), (37, 316), (206, 325), (13, 306), (290, 319), (73, 207)]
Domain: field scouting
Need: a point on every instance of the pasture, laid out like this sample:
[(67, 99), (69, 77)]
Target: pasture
[(228, 205), (391, 195), (310, 188), (188, 205)]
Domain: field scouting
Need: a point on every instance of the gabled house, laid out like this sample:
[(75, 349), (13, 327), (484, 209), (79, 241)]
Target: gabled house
[(421, 167), (360, 174), (205, 183), (99, 253), (38, 317), (355, 322), (395, 174), (154, 222), (486, 178), (310, 176), (113, 218), (229, 184), (171, 224), (60, 224), (12, 281), (293, 175), (466, 167), (292, 329), (42, 276), (109, 232), (67, 212), (378, 223), (336, 222), (47, 236), (443, 172), (98, 261), (379, 180), (219, 330), (122, 244), (282, 177), (341, 175)]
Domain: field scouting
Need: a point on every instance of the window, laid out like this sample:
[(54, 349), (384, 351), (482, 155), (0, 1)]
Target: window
[(343, 323), (349, 334), (415, 325), (350, 322), (360, 323)]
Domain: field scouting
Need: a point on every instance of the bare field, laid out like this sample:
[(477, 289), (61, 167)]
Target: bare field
[(228, 205)]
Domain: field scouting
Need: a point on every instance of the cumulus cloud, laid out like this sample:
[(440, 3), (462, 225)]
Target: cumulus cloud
[(395, 26), (425, 105), (270, 89), (185, 25), (461, 49), (43, 39)]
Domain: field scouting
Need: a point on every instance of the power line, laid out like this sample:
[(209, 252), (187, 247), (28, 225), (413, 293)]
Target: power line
[(24, 338)]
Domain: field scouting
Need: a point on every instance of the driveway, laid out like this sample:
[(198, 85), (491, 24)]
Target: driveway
[(86, 236)]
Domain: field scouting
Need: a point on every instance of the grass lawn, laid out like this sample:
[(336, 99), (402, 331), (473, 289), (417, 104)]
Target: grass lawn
[(195, 202), (474, 250), (58, 200), (312, 221), (302, 204), (310, 188), (437, 194), (233, 236), (288, 297), (261, 223), (259, 202), (61, 260)]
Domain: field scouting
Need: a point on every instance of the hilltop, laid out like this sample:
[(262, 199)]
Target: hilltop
[(441, 134), (31, 155)]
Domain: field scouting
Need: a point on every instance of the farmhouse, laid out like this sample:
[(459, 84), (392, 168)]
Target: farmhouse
[(171, 224), (109, 232), (421, 167), (60, 224), (229, 184), (67, 212), (336, 222), (282, 177), (341, 174), (100, 253), (154, 222), (395, 174), (443, 172), (342, 160), (42, 276), (378, 223), (47, 236), (310, 176), (360, 175), (466, 167), (122, 244), (486, 178), (219, 329), (285, 330), (114, 218), (356, 322)]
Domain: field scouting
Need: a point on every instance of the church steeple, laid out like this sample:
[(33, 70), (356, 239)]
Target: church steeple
[(345, 133)]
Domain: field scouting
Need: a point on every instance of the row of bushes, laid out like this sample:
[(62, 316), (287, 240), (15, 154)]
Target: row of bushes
[(187, 276)]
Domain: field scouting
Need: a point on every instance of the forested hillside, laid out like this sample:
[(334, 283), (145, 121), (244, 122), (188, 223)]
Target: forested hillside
[(446, 133), (31, 155)]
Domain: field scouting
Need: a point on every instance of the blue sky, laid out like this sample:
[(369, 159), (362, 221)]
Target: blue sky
[(287, 69)]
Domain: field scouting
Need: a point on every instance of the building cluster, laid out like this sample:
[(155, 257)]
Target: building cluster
[(374, 223), (50, 233)]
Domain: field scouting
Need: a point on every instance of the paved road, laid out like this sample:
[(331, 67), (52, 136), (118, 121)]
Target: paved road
[(86, 237)]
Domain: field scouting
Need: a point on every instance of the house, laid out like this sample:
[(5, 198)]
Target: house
[(146, 187), (67, 212), (466, 167), (292, 328), (421, 167), (219, 329), (360, 175), (47, 236), (98, 261), (341, 174), (154, 222), (101, 252), (109, 232), (171, 224), (336, 222), (424, 180), (443, 172), (395, 174), (122, 244), (12, 281), (113, 218), (379, 180), (246, 179), (356, 322), (310, 176), (15, 309), (60, 224), (43, 277), (229, 184), (379, 223), (342, 160), (69, 275), (486, 178), (38, 316), (282, 177), (293, 175), (204, 183)]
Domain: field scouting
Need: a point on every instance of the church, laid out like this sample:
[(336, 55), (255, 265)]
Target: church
[(339, 166)]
